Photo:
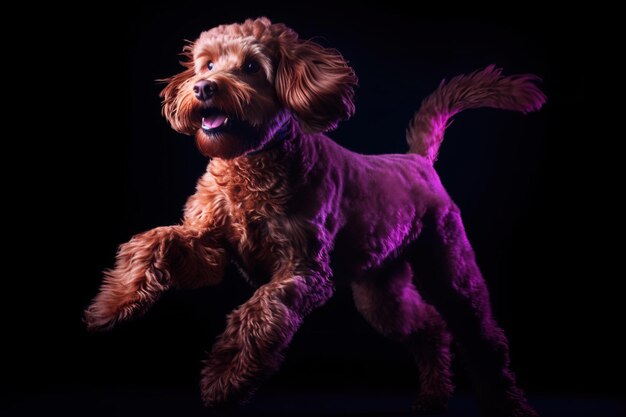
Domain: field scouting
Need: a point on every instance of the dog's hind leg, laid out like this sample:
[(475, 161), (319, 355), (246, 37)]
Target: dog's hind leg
[(448, 278), (149, 264), (391, 304)]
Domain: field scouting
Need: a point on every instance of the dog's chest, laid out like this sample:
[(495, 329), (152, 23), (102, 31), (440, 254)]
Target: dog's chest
[(260, 228)]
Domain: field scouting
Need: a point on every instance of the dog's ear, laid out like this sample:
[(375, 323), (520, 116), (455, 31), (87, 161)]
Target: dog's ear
[(316, 84), (176, 95)]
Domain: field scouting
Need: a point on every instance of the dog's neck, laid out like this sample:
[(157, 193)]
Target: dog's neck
[(283, 134), (281, 163)]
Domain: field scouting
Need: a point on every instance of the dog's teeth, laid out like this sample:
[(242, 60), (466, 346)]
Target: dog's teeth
[(225, 122)]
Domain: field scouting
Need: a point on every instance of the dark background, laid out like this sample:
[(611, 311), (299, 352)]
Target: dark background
[(119, 170)]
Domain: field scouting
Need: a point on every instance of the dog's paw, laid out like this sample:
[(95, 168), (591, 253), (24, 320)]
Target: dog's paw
[(225, 382), (106, 312), (97, 321), (101, 316), (221, 392)]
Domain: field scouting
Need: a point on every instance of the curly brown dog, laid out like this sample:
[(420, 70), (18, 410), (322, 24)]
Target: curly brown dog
[(290, 207)]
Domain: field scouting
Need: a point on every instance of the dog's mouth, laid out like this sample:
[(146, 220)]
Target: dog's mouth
[(214, 120), (222, 134)]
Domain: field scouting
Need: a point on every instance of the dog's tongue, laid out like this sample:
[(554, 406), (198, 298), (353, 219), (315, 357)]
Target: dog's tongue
[(213, 121)]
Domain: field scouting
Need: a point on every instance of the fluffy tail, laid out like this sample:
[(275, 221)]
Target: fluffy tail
[(486, 88)]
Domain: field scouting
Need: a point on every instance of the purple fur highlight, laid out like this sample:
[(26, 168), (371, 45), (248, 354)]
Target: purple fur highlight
[(284, 202), (486, 88)]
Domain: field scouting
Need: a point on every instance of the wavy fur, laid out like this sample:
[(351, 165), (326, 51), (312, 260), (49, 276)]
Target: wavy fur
[(281, 200), (485, 88)]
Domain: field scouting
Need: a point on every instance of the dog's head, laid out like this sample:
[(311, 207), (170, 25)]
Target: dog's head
[(243, 82)]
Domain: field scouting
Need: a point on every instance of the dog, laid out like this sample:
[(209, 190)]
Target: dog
[(292, 209)]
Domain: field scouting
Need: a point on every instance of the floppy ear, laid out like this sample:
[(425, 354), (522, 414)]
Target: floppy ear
[(178, 97), (316, 84)]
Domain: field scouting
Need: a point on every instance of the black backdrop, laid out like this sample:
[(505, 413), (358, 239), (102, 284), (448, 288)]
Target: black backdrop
[(516, 178)]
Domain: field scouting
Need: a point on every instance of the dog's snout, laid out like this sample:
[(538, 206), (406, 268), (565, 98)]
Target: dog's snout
[(205, 89)]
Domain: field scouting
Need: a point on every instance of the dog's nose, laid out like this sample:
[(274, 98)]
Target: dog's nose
[(205, 89)]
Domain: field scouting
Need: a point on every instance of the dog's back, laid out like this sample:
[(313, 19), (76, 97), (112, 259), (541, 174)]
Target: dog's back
[(382, 192)]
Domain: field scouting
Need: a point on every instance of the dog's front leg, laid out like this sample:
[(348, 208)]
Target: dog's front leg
[(150, 263), (257, 333)]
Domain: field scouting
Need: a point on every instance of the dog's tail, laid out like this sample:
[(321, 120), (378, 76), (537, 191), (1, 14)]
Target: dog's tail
[(486, 88)]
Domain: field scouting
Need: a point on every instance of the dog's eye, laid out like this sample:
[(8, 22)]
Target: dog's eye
[(251, 67), (210, 66)]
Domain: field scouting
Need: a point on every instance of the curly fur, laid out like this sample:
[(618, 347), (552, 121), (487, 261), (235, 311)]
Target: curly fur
[(281, 200)]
